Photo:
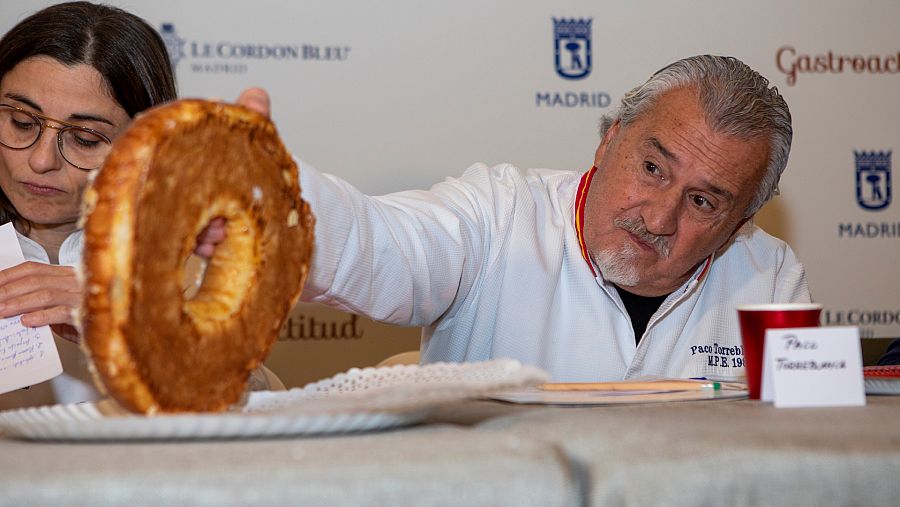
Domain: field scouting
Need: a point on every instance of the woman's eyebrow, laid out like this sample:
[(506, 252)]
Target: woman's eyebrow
[(74, 116), (23, 99), (90, 117)]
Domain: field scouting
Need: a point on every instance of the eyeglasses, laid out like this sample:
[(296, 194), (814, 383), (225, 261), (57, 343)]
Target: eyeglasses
[(82, 147)]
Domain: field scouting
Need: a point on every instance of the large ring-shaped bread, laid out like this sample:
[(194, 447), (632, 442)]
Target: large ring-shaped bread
[(154, 348)]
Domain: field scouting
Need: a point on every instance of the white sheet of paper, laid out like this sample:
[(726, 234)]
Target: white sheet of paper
[(766, 390), (813, 367), (28, 355)]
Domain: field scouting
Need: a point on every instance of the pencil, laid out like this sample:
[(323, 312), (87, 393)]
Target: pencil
[(653, 385)]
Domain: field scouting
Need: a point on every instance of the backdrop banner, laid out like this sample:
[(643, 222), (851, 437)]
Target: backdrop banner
[(399, 94)]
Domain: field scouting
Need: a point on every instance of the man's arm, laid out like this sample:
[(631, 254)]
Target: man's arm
[(401, 258)]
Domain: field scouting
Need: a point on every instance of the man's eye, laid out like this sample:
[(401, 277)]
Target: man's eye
[(651, 168), (701, 202)]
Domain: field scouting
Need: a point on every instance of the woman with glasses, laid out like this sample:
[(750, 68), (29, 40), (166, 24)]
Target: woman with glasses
[(72, 77)]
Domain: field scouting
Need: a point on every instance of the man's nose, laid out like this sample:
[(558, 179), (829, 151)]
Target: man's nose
[(45, 154), (661, 211)]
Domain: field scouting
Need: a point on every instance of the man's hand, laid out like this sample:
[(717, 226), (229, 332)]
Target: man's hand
[(209, 237), (43, 294), (256, 99)]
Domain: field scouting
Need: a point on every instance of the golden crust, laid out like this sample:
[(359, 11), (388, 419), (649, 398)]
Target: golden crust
[(177, 167)]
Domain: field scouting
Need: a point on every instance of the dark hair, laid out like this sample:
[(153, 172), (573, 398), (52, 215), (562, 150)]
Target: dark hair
[(123, 48)]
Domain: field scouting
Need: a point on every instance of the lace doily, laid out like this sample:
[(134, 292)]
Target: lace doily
[(398, 388)]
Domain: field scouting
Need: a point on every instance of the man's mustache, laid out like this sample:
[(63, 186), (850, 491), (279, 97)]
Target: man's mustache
[(636, 226)]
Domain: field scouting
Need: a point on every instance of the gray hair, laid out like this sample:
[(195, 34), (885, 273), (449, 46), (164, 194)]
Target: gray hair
[(737, 101)]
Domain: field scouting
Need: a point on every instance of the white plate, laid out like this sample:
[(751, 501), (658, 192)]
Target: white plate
[(358, 400)]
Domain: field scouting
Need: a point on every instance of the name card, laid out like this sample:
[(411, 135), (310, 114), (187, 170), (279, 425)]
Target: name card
[(813, 367), (27, 355)]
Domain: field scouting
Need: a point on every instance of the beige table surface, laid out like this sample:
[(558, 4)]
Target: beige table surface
[(714, 453), (489, 453)]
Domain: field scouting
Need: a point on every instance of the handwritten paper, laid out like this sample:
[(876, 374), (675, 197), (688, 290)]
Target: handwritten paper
[(813, 367), (28, 355)]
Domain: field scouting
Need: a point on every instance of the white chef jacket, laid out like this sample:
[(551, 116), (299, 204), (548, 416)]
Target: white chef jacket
[(490, 265)]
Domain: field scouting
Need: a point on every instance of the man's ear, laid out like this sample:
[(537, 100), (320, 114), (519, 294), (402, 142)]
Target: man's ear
[(611, 133)]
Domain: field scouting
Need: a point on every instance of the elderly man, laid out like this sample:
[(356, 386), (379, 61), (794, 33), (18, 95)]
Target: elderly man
[(632, 268)]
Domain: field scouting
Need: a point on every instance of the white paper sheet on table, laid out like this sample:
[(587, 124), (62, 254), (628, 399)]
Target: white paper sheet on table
[(28, 355)]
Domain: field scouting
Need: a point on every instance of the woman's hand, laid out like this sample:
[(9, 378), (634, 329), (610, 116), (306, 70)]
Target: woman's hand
[(43, 294)]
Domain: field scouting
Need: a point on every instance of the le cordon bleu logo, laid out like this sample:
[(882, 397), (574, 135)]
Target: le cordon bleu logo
[(235, 57), (793, 62)]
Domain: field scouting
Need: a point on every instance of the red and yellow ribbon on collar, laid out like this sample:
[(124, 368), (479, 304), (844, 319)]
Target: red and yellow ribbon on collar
[(580, 198)]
